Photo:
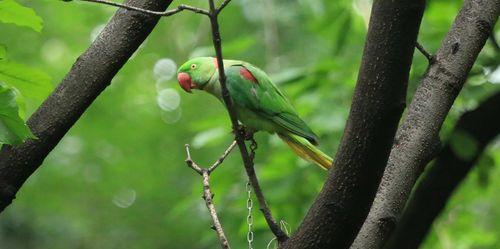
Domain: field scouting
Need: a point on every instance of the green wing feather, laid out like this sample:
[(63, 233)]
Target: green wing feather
[(265, 99)]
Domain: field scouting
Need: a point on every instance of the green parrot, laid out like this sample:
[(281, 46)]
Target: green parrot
[(259, 104)]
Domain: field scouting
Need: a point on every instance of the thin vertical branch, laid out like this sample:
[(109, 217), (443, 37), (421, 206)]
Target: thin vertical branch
[(207, 196), (239, 133)]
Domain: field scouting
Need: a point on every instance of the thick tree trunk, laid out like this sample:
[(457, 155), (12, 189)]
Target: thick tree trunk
[(418, 137), (379, 100), (89, 76), (482, 125)]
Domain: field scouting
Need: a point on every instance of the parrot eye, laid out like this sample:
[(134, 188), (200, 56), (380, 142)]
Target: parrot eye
[(193, 66)]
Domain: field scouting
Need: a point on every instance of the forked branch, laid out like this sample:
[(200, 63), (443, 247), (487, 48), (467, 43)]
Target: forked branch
[(207, 192)]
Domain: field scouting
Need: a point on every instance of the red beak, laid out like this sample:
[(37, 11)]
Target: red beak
[(185, 82)]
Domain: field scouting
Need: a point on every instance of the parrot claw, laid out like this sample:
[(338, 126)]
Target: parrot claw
[(249, 134), (246, 132)]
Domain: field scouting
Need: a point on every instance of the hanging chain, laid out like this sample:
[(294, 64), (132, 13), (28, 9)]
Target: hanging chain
[(253, 147), (249, 216)]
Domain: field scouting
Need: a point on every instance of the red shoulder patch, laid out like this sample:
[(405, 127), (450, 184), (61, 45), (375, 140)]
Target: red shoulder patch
[(216, 64), (248, 75)]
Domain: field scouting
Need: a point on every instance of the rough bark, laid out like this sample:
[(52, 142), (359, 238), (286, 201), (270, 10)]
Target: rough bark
[(417, 139), (379, 100), (447, 172), (89, 76)]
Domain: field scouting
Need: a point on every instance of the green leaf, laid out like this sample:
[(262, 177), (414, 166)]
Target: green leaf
[(12, 12), (464, 145), (31, 83), (13, 130)]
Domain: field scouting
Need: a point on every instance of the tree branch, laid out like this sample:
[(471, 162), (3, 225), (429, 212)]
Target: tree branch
[(89, 76), (482, 125), (222, 6), (151, 12), (207, 192), (238, 132), (379, 100), (417, 140), (221, 159), (424, 52)]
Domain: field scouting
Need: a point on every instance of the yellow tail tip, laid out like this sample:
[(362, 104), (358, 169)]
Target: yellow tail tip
[(303, 148)]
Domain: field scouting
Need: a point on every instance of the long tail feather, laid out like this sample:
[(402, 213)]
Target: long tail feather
[(303, 148)]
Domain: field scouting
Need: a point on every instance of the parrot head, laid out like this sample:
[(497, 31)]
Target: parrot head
[(196, 73)]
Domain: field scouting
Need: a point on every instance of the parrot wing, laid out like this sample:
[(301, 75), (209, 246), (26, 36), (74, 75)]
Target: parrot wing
[(252, 88)]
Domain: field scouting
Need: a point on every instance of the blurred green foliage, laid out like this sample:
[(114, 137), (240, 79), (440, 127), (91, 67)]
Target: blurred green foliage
[(15, 13), (118, 179), (18, 81)]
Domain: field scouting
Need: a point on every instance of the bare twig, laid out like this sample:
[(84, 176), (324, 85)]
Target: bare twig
[(239, 133), (151, 12), (427, 55), (207, 196), (223, 156), (190, 163), (207, 192), (222, 6)]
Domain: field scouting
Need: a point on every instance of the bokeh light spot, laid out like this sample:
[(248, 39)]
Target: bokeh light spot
[(53, 51), (124, 198), (168, 99), (164, 69), (206, 137), (171, 117)]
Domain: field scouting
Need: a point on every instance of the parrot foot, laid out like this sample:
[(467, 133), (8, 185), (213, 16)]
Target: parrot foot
[(246, 132), (249, 134)]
